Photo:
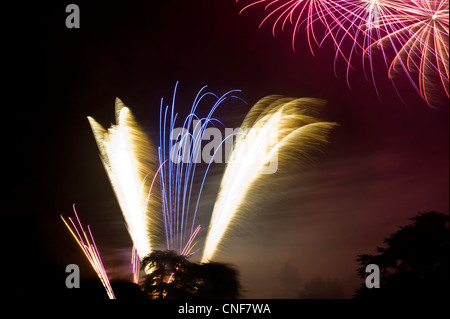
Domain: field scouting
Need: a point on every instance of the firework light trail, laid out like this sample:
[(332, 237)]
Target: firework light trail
[(135, 260), (87, 244), (181, 149), (307, 13), (362, 23), (417, 31), (129, 158), (275, 128), (272, 130), (420, 40)]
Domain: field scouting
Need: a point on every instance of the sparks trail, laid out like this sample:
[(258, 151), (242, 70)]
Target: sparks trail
[(274, 127), (180, 148), (135, 261), (87, 244), (128, 158), (419, 39)]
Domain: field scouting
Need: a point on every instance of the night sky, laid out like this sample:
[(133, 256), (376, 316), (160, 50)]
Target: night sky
[(386, 161)]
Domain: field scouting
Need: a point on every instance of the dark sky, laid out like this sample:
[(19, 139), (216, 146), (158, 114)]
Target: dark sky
[(387, 160)]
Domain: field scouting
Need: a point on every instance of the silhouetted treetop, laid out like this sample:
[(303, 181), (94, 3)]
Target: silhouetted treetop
[(415, 261), (173, 276)]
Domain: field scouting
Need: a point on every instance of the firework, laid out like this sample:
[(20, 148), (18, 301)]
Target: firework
[(128, 158), (311, 14), (135, 263), (87, 244), (412, 36), (362, 23), (274, 128), (178, 175)]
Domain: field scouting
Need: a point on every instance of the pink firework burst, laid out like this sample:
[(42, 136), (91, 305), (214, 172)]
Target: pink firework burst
[(363, 22), (411, 35), (310, 14), (419, 38)]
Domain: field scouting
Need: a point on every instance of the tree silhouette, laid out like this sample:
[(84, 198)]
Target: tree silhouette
[(172, 276), (216, 280), (415, 263), (165, 269)]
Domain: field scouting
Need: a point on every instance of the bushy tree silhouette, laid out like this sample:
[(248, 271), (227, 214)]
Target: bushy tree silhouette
[(172, 276), (415, 262), (165, 274), (216, 281)]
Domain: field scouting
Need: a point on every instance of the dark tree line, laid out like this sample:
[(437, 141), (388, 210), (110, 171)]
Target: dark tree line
[(415, 262), (170, 275)]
